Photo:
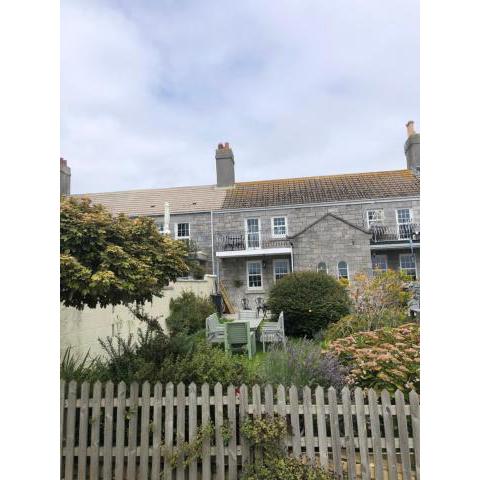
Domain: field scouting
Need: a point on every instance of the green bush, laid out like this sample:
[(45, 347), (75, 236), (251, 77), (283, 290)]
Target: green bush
[(188, 313), (387, 358), (309, 300), (86, 369)]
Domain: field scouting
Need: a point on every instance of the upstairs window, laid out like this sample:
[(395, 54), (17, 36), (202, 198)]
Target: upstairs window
[(322, 267), (279, 226), (404, 219), (375, 217), (183, 230), (342, 270), (161, 228)]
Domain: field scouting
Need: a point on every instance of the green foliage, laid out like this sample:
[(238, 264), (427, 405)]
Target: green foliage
[(86, 369), (267, 433), (387, 358), (106, 260), (188, 313), (302, 363), (310, 301)]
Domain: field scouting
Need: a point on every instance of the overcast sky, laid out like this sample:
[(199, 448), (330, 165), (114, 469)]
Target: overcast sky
[(298, 88)]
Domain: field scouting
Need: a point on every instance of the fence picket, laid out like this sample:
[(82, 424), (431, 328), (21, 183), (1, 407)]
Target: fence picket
[(168, 431), (206, 470), (362, 433), (232, 441), (294, 420), (321, 427), (157, 431), (335, 432), (192, 428), (349, 435), (144, 431), (120, 431), (132, 432), (376, 438), (415, 415), (108, 432), (180, 430), (70, 433), (269, 409), (83, 431), (282, 409), (95, 433), (389, 438), (243, 415), (403, 434), (257, 412), (308, 421), (219, 443)]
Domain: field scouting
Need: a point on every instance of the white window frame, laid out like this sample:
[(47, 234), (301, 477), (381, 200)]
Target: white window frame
[(386, 263), (402, 255), (247, 246), (249, 262), (161, 228), (176, 231), (375, 222), (404, 223), (277, 235), (326, 267), (277, 261), (338, 270)]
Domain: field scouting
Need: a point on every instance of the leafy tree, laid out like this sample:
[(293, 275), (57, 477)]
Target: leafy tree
[(309, 301), (107, 260)]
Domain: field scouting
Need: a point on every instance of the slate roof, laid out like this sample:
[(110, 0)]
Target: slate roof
[(325, 189), (264, 193), (152, 201)]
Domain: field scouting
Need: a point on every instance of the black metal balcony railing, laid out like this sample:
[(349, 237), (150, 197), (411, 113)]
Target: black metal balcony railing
[(234, 241), (382, 233)]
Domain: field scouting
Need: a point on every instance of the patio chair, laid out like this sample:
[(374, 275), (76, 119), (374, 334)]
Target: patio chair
[(273, 332), (238, 336), (214, 330)]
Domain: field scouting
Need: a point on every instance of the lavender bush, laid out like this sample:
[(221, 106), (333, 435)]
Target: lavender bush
[(302, 363)]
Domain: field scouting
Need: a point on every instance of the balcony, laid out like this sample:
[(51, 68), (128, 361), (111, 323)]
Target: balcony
[(242, 244), (399, 235)]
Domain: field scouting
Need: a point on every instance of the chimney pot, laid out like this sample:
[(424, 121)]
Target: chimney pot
[(410, 128), (225, 164)]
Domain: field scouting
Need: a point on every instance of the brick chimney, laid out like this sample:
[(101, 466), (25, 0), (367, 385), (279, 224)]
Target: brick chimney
[(225, 165), (64, 177), (412, 148)]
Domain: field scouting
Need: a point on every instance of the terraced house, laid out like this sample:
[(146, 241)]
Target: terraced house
[(250, 234)]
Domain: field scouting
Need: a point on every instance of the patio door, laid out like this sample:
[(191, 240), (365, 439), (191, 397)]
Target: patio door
[(253, 232)]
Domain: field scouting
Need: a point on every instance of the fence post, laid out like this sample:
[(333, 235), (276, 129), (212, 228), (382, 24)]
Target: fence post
[(293, 398), (108, 432), (282, 411), (219, 447), (232, 441), (415, 414), (62, 413), (157, 431), (243, 415), (168, 431), (257, 413), (335, 432), (70, 434), (389, 438), (83, 431), (120, 431), (308, 422), (192, 428), (206, 470), (132, 432), (403, 434), (180, 430), (376, 439), (144, 431)]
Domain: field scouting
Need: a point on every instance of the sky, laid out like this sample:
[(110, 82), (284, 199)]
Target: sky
[(298, 88)]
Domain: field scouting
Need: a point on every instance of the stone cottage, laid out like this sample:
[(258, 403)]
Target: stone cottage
[(250, 234)]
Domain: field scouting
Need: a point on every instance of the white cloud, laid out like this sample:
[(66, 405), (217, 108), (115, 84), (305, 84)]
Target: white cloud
[(298, 88)]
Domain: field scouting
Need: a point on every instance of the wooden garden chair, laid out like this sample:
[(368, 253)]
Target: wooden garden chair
[(273, 332), (214, 330), (238, 337)]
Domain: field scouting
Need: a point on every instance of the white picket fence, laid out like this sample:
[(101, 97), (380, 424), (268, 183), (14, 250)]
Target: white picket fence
[(111, 432)]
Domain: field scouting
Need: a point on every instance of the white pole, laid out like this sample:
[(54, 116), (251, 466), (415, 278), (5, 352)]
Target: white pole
[(166, 219)]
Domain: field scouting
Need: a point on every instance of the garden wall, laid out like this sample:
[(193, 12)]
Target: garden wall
[(81, 329)]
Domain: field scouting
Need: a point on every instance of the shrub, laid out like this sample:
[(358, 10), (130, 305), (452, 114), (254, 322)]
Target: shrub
[(188, 313), (302, 363), (310, 301), (387, 358), (354, 323), (86, 369)]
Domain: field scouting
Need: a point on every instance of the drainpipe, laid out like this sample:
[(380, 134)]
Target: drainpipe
[(211, 236), (291, 254)]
